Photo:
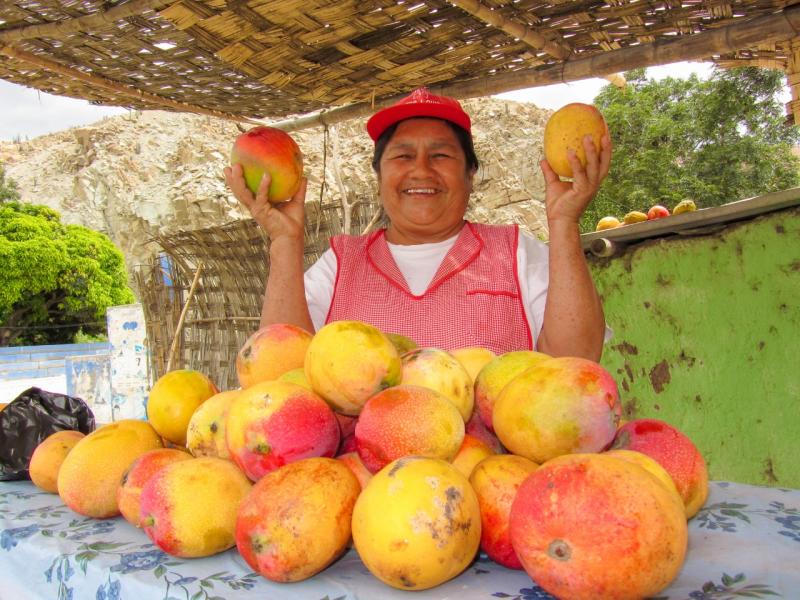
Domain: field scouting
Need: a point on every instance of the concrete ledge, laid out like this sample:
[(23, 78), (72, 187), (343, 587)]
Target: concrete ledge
[(55, 349), (32, 373), (42, 356), (699, 222), (31, 364)]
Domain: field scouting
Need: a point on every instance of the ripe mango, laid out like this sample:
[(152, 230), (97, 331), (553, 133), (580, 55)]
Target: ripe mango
[(189, 507), (683, 206), (205, 435), (416, 524), (270, 352), (129, 492), (560, 406), (634, 216), (587, 522), (174, 398), (607, 223), (48, 456), (91, 472), (269, 150), (296, 520), (565, 129), (441, 371), (348, 362)]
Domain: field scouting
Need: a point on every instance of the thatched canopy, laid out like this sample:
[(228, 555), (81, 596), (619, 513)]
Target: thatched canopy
[(272, 59)]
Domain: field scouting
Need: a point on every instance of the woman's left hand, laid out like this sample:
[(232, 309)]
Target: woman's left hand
[(566, 200)]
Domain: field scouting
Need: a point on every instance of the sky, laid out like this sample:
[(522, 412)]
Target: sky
[(26, 113)]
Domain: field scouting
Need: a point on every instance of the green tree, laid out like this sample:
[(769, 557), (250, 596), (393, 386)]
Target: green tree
[(56, 279), (8, 187), (714, 141)]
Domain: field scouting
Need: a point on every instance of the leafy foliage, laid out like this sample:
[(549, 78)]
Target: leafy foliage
[(8, 187), (56, 279), (714, 141)]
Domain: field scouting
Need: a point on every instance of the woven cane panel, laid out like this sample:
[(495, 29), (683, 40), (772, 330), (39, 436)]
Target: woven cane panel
[(226, 305), (275, 58)]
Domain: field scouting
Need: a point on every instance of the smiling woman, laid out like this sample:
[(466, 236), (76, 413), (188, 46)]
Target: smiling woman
[(425, 182), (431, 275)]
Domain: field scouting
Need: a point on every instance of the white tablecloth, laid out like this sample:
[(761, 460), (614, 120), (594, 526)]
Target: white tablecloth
[(745, 543)]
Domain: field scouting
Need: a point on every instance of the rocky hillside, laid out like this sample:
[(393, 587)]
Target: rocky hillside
[(154, 173)]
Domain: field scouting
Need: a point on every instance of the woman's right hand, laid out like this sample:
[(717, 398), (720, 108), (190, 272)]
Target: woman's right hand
[(281, 220)]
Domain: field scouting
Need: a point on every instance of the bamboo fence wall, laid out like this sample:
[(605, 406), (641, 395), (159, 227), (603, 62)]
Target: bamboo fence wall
[(225, 308)]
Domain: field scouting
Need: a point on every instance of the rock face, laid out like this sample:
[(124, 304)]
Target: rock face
[(155, 173)]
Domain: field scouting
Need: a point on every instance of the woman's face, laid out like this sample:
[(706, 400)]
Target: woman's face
[(424, 182)]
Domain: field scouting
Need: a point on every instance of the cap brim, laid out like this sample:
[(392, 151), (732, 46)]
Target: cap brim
[(385, 118)]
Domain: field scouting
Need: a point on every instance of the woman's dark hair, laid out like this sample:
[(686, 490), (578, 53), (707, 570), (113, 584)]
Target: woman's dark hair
[(464, 140)]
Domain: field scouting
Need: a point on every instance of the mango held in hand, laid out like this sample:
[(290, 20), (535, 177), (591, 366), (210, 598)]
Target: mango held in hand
[(561, 405), (348, 362), (587, 526), (269, 150), (91, 472), (417, 523), (296, 520), (566, 129)]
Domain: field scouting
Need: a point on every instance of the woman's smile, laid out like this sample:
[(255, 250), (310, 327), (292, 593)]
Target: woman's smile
[(424, 182)]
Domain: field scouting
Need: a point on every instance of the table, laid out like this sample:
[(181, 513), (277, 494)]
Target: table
[(744, 543)]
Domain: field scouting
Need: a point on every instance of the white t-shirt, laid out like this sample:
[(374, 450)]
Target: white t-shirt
[(419, 263)]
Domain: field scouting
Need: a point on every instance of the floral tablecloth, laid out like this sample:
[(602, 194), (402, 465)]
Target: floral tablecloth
[(745, 543)]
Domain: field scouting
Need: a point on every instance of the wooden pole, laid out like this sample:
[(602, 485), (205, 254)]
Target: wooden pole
[(61, 29), (793, 79), (773, 28), (531, 37), (373, 221), (116, 88), (223, 320), (182, 318)]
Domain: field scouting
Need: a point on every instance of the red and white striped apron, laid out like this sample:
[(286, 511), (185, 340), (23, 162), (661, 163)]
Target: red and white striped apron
[(473, 300)]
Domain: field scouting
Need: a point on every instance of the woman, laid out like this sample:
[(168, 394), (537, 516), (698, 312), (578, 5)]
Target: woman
[(430, 274)]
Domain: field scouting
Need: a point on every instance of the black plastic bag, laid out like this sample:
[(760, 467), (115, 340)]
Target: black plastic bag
[(29, 419)]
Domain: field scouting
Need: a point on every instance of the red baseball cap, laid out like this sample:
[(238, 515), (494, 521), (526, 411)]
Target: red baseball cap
[(419, 103)]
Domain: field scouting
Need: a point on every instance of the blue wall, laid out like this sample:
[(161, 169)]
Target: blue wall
[(30, 362)]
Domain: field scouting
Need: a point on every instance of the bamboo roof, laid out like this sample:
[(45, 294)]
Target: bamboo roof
[(272, 59)]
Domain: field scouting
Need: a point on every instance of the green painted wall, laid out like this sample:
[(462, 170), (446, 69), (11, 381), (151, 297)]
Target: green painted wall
[(707, 338)]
